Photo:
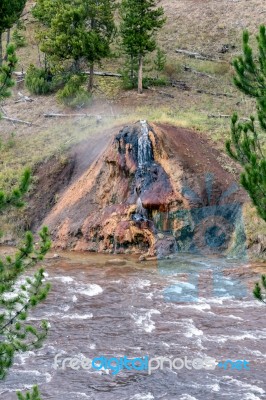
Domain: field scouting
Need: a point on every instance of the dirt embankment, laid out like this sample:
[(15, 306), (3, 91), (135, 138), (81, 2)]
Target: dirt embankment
[(54, 176)]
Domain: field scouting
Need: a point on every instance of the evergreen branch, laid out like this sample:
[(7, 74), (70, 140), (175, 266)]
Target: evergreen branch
[(34, 395), (244, 145), (14, 198), (257, 292), (6, 72)]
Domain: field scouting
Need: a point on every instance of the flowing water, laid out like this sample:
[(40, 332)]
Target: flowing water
[(145, 159), (97, 308), (145, 156)]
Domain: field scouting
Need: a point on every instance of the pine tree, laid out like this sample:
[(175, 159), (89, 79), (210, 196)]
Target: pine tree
[(246, 141), (245, 145), (140, 21), (10, 12), (258, 294), (78, 30), (251, 73), (34, 395), (16, 300), (45, 10), (160, 60), (102, 31), (245, 148), (6, 71)]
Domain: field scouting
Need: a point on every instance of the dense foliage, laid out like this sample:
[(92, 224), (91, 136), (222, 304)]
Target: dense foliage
[(78, 31), (38, 81)]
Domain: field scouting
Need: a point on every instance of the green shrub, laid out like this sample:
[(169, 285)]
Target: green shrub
[(19, 39), (38, 81), (147, 81), (43, 81), (73, 94), (128, 82)]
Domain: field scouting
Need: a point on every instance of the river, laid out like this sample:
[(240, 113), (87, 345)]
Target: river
[(188, 306)]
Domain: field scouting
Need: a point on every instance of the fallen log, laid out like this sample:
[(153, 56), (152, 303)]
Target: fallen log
[(19, 73), (23, 98), (193, 54), (180, 85), (161, 92), (166, 94), (219, 116), (104, 74), (194, 71), (18, 121), (97, 117), (225, 116), (213, 93), (55, 115)]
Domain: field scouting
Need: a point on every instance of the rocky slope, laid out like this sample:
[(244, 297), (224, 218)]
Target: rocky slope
[(155, 189)]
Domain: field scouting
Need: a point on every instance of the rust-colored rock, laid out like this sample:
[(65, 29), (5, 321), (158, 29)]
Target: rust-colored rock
[(120, 206)]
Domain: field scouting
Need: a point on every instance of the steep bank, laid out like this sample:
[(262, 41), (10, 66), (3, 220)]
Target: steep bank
[(154, 189)]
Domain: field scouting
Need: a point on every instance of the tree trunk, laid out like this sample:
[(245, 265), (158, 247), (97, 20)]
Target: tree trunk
[(76, 67), (8, 37), (140, 87), (7, 43), (131, 68), (1, 50), (90, 87)]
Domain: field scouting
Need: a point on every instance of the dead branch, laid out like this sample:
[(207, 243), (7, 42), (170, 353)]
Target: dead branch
[(194, 71), (56, 115), (17, 121), (166, 94), (97, 117), (24, 98), (180, 85), (103, 74), (161, 92), (213, 93), (224, 116), (4, 112), (219, 116), (20, 74), (193, 54)]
